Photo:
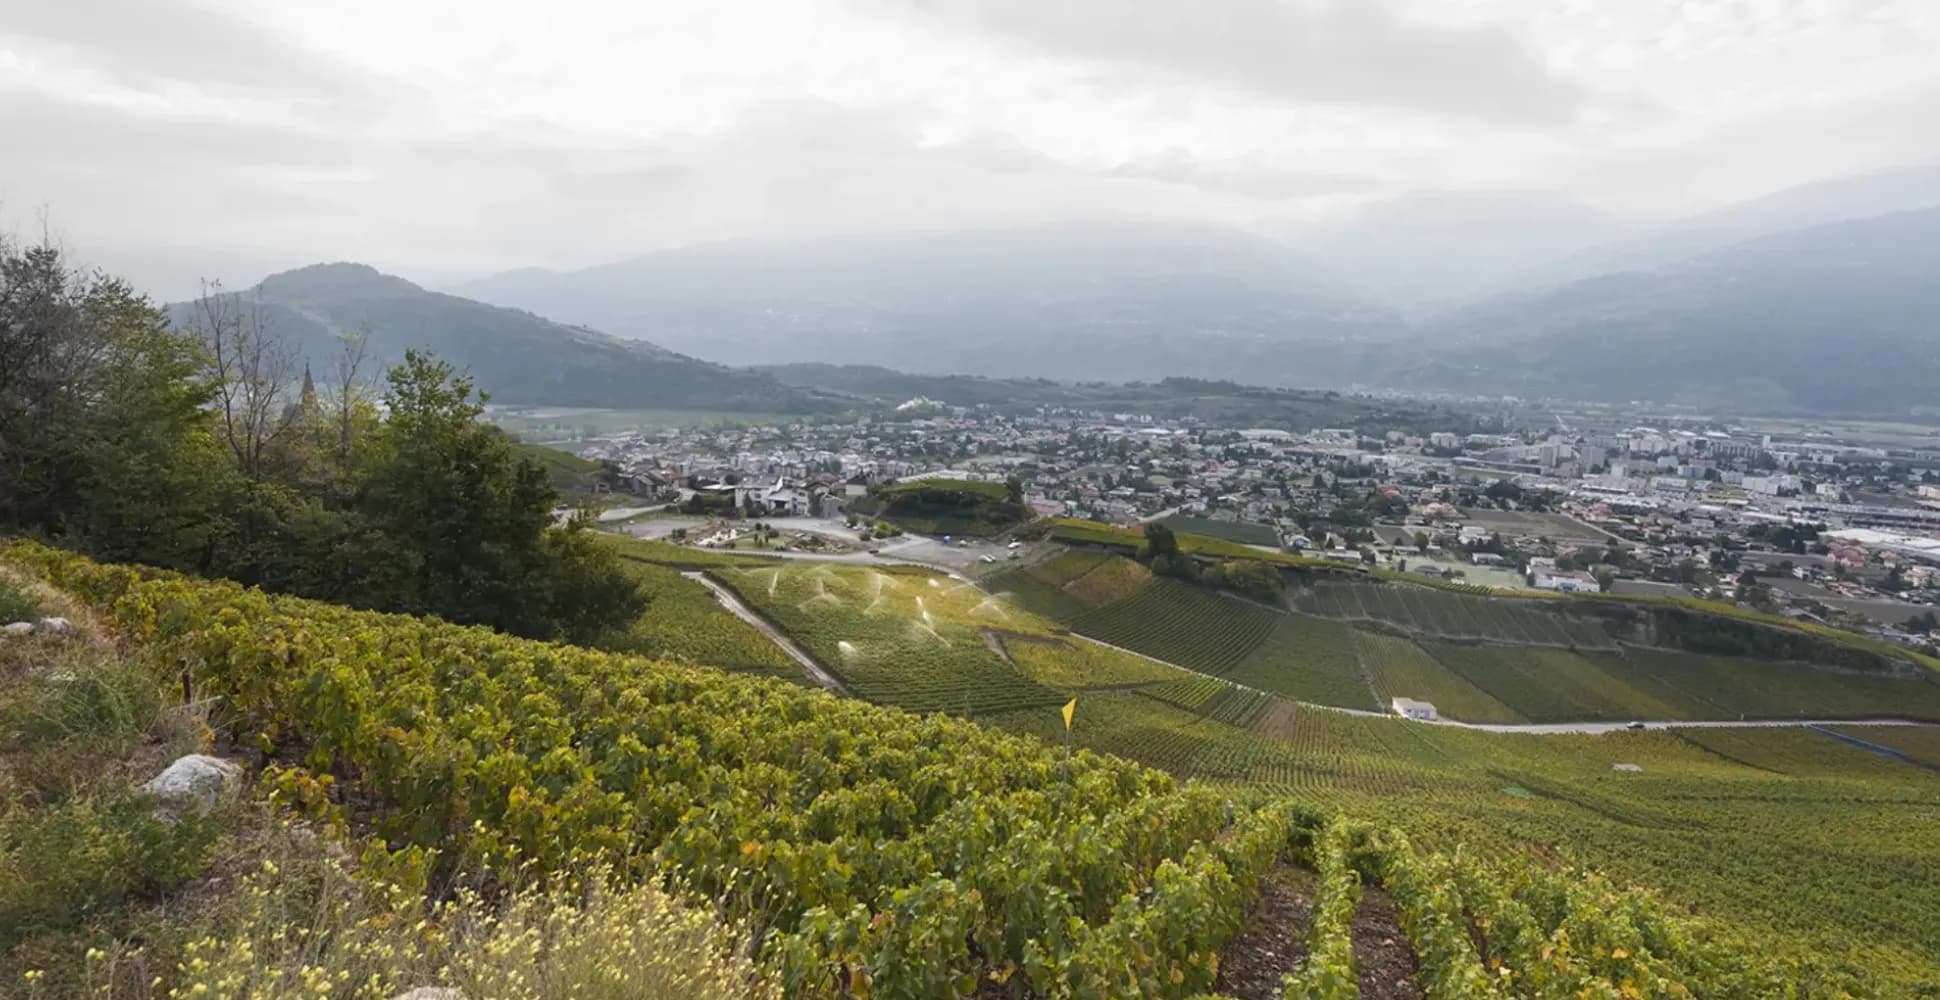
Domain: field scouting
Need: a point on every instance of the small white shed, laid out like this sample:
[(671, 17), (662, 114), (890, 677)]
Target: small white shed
[(1420, 711)]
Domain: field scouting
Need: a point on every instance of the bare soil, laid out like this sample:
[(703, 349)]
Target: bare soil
[(1277, 722), (1275, 938), (1386, 959)]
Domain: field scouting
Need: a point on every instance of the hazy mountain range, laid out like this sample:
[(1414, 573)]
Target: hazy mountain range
[(516, 356), (1821, 298)]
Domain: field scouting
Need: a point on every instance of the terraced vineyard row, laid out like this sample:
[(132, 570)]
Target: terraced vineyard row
[(1307, 659), (1181, 624), (1040, 587), (1544, 684), (1730, 687), (1213, 699), (1427, 611), (684, 622), (1402, 669), (894, 637)]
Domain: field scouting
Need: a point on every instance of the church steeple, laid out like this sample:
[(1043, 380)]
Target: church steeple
[(309, 388)]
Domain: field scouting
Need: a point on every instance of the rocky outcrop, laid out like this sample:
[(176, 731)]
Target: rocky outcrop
[(196, 781)]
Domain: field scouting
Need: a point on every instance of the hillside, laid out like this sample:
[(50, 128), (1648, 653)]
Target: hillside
[(910, 637), (887, 854), (516, 356), (934, 506), (1836, 318), (1806, 206), (1090, 302)]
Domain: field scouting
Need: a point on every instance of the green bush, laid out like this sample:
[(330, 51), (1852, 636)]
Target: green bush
[(61, 865), (108, 702), (15, 603)]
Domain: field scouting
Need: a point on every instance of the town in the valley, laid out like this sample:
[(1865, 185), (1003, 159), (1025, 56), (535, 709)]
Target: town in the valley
[(1833, 523)]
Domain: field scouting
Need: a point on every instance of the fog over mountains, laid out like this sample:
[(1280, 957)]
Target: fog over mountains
[(1817, 298), (1821, 299)]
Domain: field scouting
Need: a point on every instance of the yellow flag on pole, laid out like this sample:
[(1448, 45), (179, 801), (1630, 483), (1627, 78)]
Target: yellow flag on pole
[(1069, 707)]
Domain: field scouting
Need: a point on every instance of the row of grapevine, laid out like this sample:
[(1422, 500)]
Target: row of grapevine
[(1211, 698), (888, 855), (1329, 970), (908, 639), (684, 622), (1181, 624), (1544, 934), (1446, 964), (1308, 659), (1440, 613)]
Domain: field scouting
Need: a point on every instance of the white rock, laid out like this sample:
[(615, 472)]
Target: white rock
[(432, 993), (56, 626), (18, 628), (197, 779)]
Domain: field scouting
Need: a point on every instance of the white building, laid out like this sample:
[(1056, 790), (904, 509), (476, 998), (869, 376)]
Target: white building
[(1420, 711), (1568, 583)]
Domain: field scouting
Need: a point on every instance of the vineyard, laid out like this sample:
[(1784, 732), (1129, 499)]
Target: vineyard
[(684, 622), (1362, 644), (889, 855), (1307, 659), (1213, 699), (1040, 587), (1545, 685), (1401, 669), (921, 640), (1179, 623), (1436, 613)]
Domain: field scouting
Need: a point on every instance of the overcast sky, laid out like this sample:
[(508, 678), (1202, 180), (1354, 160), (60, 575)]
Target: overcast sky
[(174, 138)]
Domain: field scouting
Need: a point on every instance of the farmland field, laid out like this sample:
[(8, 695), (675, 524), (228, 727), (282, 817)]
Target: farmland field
[(1799, 752), (1554, 685), (1210, 698), (923, 641), (1920, 745), (1072, 664), (1307, 659), (1732, 687), (1041, 587), (1512, 522), (1401, 669), (1436, 613), (901, 638), (1114, 579), (1707, 816), (684, 622), (1245, 533), (864, 838), (1182, 624)]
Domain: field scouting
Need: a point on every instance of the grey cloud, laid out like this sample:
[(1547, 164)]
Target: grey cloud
[(1347, 52), (145, 41), (1246, 177), (520, 195)]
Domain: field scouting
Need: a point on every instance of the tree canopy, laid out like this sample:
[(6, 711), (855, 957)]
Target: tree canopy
[(200, 449)]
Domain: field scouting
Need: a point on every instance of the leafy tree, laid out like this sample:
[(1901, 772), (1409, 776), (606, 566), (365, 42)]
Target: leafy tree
[(1160, 541), (104, 436), (474, 525)]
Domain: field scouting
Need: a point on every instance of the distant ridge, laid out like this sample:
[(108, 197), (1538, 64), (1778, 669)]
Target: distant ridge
[(516, 356)]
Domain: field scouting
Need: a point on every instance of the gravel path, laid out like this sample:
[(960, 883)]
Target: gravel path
[(732, 602)]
